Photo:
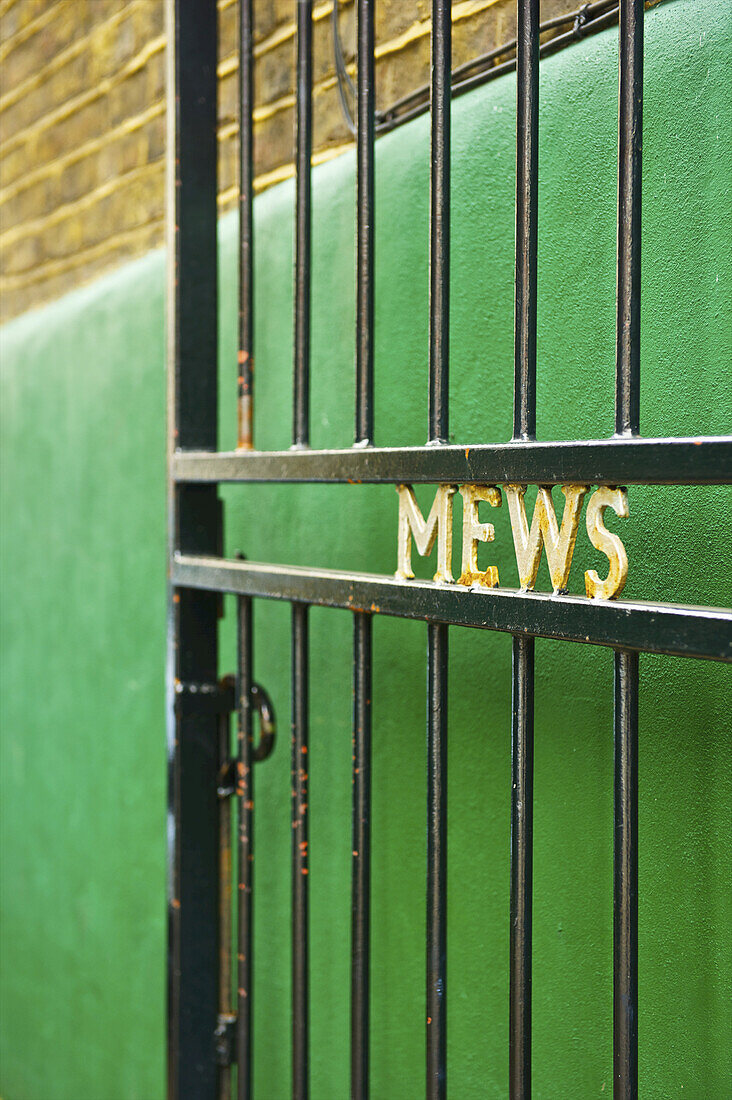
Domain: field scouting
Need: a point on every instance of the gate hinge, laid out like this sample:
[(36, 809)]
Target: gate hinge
[(204, 699), (225, 1040)]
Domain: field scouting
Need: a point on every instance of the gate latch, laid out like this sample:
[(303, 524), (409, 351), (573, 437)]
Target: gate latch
[(267, 733)]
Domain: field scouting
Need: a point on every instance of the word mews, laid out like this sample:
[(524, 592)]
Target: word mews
[(558, 540)]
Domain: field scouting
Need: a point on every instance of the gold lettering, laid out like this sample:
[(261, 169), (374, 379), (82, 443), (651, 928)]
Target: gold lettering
[(438, 525), (607, 542), (544, 530), (475, 532)]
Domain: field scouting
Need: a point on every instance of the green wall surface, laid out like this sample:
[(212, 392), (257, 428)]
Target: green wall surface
[(83, 584)]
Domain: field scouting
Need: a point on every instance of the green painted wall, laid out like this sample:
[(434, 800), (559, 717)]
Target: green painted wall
[(83, 567)]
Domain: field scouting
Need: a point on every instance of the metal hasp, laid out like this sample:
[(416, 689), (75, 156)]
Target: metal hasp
[(205, 1037)]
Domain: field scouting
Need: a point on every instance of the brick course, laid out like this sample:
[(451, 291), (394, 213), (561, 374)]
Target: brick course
[(82, 117)]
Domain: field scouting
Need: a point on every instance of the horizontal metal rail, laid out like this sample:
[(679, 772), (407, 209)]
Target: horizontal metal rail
[(631, 461), (637, 624)]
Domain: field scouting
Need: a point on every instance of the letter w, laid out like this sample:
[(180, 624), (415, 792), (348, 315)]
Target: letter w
[(438, 525), (544, 530)]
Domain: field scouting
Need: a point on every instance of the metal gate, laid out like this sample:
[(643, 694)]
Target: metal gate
[(207, 1034)]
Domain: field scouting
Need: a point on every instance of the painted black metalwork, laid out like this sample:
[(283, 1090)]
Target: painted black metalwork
[(361, 857), (245, 804), (365, 226), (439, 405), (300, 862), (245, 373), (627, 388), (527, 183), (204, 1036), (225, 1035), (303, 221), (522, 828), (437, 668), (625, 939), (627, 423), (194, 520), (630, 624), (440, 223), (524, 429), (618, 461)]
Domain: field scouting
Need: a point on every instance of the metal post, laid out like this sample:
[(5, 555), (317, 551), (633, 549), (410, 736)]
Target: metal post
[(439, 363), (246, 227), (300, 861), (194, 527), (365, 226), (303, 218), (361, 849), (437, 666)]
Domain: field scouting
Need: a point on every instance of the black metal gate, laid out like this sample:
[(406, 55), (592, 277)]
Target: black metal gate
[(206, 1035)]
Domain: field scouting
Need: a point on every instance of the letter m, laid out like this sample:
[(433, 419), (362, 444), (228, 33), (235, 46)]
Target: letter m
[(438, 525)]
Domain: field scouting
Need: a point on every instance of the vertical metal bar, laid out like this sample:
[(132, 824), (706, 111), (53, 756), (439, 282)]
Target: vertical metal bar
[(245, 803), (361, 866), (437, 665), (627, 422), (225, 899), (303, 217), (300, 1006), (439, 363), (630, 141), (522, 828), (524, 427), (193, 525), (365, 226), (527, 161), (625, 939), (246, 227)]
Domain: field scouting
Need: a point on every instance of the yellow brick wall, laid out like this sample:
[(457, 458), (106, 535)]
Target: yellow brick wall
[(82, 126)]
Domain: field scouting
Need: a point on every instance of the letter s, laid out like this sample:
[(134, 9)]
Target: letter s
[(607, 542)]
